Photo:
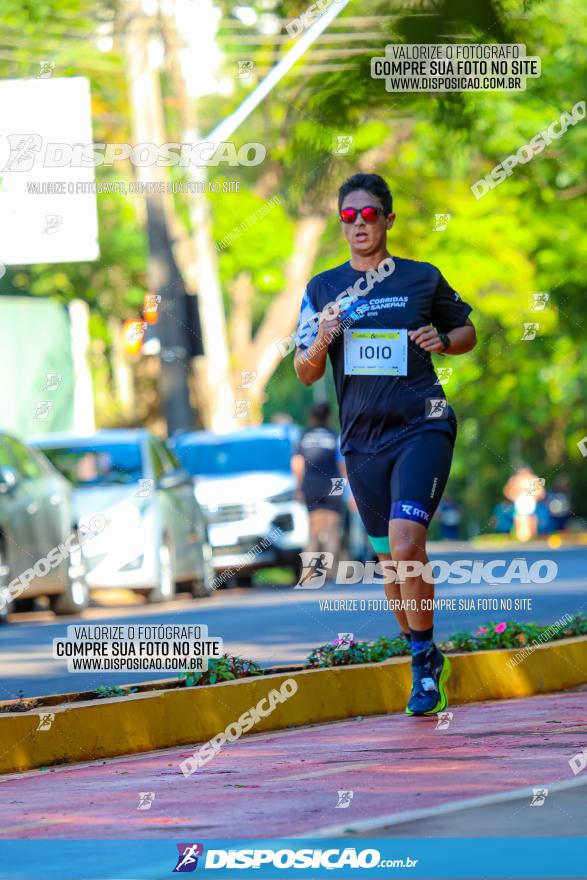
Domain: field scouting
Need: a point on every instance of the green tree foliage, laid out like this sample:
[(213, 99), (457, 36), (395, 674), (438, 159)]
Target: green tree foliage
[(516, 399), (64, 32)]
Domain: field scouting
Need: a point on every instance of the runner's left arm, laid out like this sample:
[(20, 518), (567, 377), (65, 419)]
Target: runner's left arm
[(462, 339), (450, 317)]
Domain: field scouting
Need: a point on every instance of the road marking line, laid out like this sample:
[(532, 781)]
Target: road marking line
[(394, 819), (314, 774)]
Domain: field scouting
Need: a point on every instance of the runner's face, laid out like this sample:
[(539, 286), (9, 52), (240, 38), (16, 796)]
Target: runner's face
[(365, 238)]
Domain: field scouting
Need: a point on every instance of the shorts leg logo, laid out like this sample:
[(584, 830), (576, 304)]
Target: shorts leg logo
[(409, 510)]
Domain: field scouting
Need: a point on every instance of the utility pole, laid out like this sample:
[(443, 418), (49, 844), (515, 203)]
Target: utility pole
[(214, 373), (217, 376), (202, 270), (148, 126)]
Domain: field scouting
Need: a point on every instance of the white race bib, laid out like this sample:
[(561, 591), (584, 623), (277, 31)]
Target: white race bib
[(372, 352)]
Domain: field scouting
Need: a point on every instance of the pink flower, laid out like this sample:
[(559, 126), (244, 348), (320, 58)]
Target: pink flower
[(481, 631), (501, 627)]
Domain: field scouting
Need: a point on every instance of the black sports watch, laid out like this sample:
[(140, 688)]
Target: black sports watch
[(445, 339)]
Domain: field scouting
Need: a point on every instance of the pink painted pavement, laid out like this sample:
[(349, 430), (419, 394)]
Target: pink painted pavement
[(285, 783)]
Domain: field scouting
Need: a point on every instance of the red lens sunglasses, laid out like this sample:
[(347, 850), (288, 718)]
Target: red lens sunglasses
[(369, 214)]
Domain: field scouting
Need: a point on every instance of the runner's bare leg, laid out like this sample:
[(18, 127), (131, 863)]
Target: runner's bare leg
[(408, 544)]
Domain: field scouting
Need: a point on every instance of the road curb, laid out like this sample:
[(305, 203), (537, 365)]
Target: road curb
[(376, 826), (162, 719)]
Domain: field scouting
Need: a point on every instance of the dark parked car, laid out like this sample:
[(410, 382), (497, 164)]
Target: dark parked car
[(40, 553)]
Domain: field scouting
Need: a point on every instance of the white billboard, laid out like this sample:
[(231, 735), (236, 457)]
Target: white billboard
[(47, 198)]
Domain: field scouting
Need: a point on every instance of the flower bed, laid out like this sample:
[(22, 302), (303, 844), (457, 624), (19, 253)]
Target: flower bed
[(492, 636), (510, 634), (336, 683)]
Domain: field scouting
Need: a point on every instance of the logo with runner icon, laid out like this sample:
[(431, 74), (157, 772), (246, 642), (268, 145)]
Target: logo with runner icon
[(436, 408), (314, 569), (187, 860)]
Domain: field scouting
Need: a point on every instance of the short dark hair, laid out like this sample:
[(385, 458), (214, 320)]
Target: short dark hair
[(320, 412), (371, 183)]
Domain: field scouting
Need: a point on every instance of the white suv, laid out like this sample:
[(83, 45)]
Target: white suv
[(247, 491)]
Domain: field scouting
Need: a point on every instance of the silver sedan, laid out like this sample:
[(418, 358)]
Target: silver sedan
[(40, 552), (154, 534)]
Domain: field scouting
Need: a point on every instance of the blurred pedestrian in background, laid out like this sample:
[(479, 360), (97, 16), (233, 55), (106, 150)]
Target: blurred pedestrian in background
[(502, 517), (525, 489), (559, 503), (320, 471), (450, 515), (293, 430)]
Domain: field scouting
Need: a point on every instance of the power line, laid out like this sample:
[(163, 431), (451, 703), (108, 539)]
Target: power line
[(260, 39)]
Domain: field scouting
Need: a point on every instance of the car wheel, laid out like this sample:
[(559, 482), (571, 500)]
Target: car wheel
[(297, 568), (76, 596), (244, 580), (6, 604), (293, 561), (166, 589), (24, 604), (204, 586)]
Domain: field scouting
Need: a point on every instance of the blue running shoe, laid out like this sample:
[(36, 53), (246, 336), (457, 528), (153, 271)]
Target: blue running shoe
[(430, 673)]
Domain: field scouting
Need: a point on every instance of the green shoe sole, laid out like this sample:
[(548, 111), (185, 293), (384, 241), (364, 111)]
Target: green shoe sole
[(443, 700)]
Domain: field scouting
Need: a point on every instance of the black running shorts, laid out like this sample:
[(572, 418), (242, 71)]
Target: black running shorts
[(404, 482)]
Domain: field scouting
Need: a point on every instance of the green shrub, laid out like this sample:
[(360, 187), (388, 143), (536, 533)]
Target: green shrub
[(511, 634), (226, 668), (112, 690), (341, 653), (491, 636)]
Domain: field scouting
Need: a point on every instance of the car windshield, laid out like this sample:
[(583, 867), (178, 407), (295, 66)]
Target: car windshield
[(98, 464), (235, 456)]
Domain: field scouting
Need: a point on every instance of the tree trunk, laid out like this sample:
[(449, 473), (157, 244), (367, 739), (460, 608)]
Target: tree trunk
[(256, 359), (200, 265)]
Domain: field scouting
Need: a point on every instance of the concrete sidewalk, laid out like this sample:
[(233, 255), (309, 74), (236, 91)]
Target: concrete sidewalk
[(563, 814), (286, 783)]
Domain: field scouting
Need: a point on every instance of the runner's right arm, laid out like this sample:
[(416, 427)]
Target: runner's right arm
[(310, 363)]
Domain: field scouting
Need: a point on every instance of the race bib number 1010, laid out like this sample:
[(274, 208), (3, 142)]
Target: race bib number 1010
[(376, 352)]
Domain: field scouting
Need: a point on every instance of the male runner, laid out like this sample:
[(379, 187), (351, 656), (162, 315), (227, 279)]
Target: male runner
[(397, 431)]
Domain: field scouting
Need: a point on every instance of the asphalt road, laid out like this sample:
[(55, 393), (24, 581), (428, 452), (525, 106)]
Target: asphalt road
[(278, 625)]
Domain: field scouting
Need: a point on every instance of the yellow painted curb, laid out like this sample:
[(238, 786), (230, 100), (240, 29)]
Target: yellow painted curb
[(160, 719)]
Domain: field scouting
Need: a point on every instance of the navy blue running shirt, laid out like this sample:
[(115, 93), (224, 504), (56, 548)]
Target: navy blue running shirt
[(320, 450), (385, 384)]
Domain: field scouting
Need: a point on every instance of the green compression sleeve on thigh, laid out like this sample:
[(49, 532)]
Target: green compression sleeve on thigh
[(380, 545)]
